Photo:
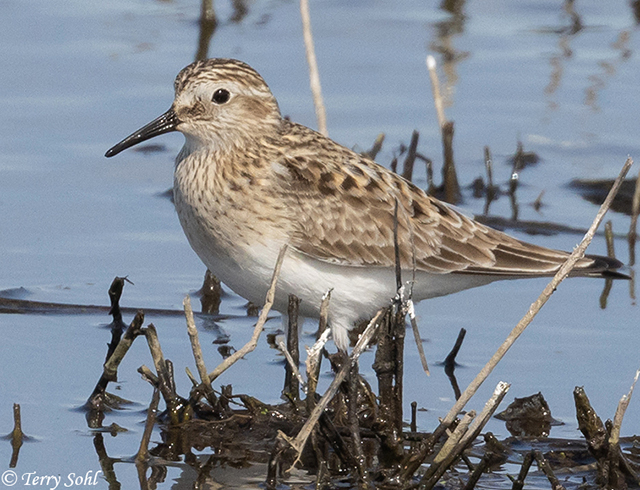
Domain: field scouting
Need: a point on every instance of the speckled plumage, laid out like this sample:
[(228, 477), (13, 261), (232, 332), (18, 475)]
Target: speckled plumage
[(248, 181)]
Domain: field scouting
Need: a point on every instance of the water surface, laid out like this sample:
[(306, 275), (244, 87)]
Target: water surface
[(78, 76)]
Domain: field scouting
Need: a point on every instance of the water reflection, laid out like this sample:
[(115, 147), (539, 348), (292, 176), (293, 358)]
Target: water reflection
[(607, 67), (566, 34), (445, 34), (208, 23)]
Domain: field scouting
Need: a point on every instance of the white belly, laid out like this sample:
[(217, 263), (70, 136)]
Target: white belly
[(357, 292)]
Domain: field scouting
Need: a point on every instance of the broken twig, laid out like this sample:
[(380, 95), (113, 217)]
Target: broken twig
[(300, 440), (251, 345)]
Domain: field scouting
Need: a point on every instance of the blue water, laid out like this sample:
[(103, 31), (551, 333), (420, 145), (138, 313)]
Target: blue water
[(78, 76)]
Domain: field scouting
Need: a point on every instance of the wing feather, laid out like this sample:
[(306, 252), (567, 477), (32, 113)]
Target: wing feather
[(342, 206)]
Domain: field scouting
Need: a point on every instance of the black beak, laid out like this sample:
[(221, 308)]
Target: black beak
[(164, 124)]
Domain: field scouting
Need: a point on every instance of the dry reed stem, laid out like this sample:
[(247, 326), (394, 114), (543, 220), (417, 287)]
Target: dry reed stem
[(148, 376), (518, 484), (314, 75), (292, 378), (416, 335), (545, 467), (165, 381), (143, 452), (292, 364), (251, 345), (375, 149), (191, 377), (17, 436), (435, 88), (300, 440), (324, 311), (407, 169), (453, 440), (110, 368), (488, 164), (444, 457), (452, 450), (609, 238), (481, 420), (635, 210), (450, 179), (313, 353), (195, 343), (560, 276), (192, 331), (364, 482), (614, 438)]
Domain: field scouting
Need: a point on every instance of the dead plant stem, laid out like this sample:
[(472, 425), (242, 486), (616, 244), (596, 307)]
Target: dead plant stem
[(314, 74), (635, 210), (614, 438), (300, 440), (416, 336), (292, 364), (457, 443), (195, 342), (143, 451)]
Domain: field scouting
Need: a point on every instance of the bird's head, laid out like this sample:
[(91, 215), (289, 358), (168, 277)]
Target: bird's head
[(219, 104)]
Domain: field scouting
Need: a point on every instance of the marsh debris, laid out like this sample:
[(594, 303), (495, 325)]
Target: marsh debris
[(529, 416), (615, 469), (522, 159), (359, 439), (210, 294), (595, 191)]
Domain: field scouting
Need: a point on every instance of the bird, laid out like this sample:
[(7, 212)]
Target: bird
[(248, 181)]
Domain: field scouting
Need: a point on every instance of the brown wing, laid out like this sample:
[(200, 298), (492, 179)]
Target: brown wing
[(343, 208)]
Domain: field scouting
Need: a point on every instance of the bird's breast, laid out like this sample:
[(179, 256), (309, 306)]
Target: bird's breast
[(228, 216)]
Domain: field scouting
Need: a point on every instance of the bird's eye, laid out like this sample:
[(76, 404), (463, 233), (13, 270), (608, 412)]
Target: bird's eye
[(221, 96)]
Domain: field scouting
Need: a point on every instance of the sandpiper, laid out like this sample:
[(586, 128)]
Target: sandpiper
[(248, 181)]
